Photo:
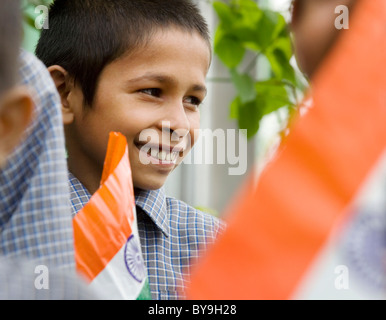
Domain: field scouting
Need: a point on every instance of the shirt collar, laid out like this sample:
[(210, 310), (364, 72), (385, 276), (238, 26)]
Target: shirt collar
[(153, 203)]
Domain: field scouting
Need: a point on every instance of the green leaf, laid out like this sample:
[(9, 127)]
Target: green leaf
[(249, 12), (265, 29), (245, 19), (234, 108), (248, 114), (245, 86), (245, 5), (281, 29), (224, 13), (280, 65), (249, 117), (246, 35), (229, 50), (272, 95), (285, 45)]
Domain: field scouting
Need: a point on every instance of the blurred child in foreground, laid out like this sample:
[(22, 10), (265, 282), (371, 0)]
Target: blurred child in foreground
[(35, 218)]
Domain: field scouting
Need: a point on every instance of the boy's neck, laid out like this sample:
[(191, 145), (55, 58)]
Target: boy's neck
[(86, 177), (88, 174)]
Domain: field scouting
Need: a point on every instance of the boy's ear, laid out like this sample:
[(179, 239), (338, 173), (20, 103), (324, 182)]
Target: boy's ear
[(64, 85), (16, 107)]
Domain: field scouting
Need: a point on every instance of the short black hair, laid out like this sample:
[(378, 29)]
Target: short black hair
[(86, 35), (10, 39)]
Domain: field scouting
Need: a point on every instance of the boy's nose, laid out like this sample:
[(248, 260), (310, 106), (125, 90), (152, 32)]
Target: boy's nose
[(176, 121)]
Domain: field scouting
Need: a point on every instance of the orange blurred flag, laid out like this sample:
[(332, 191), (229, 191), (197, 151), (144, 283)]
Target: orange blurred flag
[(277, 231)]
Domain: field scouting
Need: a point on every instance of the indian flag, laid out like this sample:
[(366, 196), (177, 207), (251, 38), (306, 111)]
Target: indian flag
[(322, 195), (107, 247)]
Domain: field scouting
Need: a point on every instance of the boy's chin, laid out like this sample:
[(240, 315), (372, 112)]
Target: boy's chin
[(149, 185)]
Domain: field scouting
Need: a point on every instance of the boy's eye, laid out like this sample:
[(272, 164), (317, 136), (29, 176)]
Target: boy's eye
[(194, 101), (152, 92)]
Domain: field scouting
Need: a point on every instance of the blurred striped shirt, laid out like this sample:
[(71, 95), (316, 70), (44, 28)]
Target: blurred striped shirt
[(35, 216)]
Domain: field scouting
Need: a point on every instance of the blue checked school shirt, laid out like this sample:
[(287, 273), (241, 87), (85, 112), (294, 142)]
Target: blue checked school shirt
[(21, 279), (35, 215), (172, 234), (36, 234)]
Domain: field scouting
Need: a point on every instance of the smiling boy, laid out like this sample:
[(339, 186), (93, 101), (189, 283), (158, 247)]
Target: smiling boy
[(135, 67)]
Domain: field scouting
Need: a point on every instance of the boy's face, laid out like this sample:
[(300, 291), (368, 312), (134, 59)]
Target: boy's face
[(151, 96), (313, 26)]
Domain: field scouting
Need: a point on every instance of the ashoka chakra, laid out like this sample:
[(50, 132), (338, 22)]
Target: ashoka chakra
[(133, 259)]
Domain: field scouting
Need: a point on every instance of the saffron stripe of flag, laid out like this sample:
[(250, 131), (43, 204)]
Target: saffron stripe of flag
[(107, 247), (277, 229)]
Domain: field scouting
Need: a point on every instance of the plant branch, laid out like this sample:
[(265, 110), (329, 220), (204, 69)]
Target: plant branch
[(252, 63)]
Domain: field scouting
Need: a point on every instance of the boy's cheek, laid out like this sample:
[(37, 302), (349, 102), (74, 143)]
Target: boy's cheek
[(194, 136)]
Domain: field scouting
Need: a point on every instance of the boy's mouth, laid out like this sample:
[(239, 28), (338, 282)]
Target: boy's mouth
[(161, 154)]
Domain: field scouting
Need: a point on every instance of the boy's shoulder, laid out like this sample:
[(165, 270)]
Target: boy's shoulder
[(200, 217), (170, 214)]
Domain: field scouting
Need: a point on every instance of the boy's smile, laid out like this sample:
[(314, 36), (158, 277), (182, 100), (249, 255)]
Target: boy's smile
[(151, 96)]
